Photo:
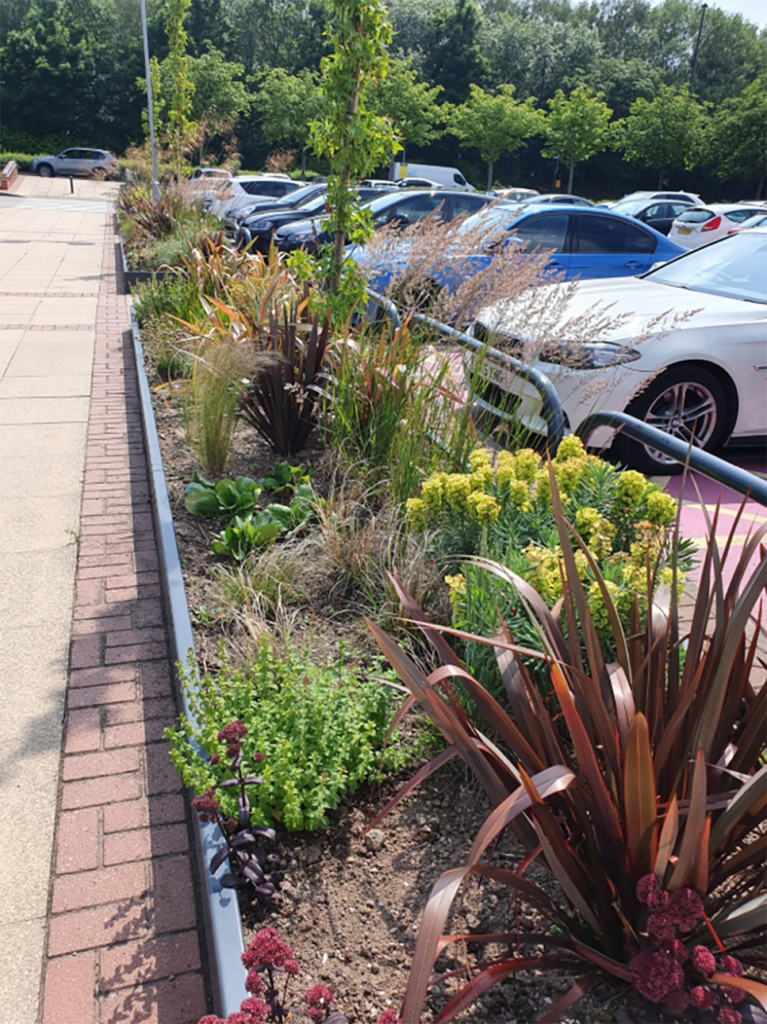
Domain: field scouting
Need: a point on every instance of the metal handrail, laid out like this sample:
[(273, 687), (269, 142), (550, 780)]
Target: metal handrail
[(709, 465), (551, 408)]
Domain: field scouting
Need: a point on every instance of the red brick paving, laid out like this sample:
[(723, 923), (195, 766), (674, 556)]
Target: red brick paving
[(124, 930)]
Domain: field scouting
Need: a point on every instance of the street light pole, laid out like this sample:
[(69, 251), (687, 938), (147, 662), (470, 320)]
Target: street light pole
[(703, 9), (150, 103)]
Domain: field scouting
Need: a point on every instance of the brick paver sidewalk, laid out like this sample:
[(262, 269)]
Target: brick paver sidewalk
[(124, 938)]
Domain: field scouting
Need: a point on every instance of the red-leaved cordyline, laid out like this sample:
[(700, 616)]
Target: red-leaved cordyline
[(266, 958)]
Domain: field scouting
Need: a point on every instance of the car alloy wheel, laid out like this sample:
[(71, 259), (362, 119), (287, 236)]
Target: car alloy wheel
[(687, 410), (45, 171), (686, 401)]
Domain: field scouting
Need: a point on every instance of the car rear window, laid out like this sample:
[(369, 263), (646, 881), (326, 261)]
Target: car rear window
[(696, 216), (740, 215)]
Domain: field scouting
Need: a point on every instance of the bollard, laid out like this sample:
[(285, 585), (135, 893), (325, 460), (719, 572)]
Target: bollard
[(71, 184)]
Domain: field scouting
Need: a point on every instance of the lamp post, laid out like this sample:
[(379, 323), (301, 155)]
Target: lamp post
[(150, 102), (703, 9)]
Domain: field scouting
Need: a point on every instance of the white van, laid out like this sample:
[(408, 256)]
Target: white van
[(448, 177)]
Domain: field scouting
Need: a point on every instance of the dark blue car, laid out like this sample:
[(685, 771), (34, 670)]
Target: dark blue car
[(584, 243)]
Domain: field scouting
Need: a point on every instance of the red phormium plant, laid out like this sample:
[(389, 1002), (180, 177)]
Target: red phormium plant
[(268, 960), (648, 808)]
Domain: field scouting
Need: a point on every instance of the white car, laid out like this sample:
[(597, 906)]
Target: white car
[(759, 221), (239, 191), (704, 224), (516, 195), (663, 196), (685, 350)]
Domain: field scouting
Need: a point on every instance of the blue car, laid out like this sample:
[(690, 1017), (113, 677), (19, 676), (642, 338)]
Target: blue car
[(584, 243)]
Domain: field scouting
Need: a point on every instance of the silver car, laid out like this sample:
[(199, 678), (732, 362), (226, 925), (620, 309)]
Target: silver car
[(92, 163)]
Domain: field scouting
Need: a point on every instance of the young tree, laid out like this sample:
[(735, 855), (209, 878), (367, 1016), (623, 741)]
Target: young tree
[(454, 56), (736, 139), (494, 124), (219, 96), (410, 105), (354, 139), (576, 128), (180, 88), (287, 104), (664, 133)]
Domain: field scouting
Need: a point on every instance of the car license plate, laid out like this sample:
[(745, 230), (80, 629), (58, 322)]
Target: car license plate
[(684, 231)]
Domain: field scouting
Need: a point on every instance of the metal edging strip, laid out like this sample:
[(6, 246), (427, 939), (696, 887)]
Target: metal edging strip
[(221, 911)]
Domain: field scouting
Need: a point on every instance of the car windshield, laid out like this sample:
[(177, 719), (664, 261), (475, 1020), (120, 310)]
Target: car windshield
[(492, 219), (631, 208), (733, 268), (302, 196)]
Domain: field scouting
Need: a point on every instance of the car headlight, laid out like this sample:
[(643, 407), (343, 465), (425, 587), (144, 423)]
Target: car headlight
[(591, 355), (262, 225), (300, 236)]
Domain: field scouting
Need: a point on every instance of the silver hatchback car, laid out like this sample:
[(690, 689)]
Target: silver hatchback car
[(92, 163)]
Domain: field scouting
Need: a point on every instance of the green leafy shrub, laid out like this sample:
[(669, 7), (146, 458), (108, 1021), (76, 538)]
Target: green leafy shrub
[(320, 728), (640, 787), (503, 511), (225, 499)]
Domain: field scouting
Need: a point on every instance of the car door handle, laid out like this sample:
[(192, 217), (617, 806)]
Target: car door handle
[(634, 264)]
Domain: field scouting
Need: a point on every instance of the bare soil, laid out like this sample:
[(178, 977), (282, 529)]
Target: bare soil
[(351, 913)]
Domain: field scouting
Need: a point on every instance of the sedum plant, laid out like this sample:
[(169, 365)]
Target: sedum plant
[(268, 960), (320, 729), (648, 810)]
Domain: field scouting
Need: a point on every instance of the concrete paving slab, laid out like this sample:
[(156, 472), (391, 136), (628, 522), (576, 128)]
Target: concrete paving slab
[(66, 352), (44, 410), (64, 386), (39, 441), (9, 342), (21, 951), (33, 591), (64, 310), (39, 476), (40, 527)]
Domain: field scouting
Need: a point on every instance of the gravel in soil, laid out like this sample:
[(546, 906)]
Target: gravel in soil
[(353, 903)]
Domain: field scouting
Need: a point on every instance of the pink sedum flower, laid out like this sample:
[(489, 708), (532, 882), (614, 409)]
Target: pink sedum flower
[(253, 983), (703, 960), (729, 1016), (655, 974), (646, 885), (266, 949), (702, 998), (730, 965), (255, 1007), (319, 995), (676, 1002), (211, 1019), (661, 927), (687, 908), (679, 951), (389, 1017)]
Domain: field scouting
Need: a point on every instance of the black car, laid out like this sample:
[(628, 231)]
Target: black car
[(257, 231), (292, 202), (656, 213), (398, 209)]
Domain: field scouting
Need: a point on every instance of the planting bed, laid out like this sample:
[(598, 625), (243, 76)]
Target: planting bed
[(352, 907)]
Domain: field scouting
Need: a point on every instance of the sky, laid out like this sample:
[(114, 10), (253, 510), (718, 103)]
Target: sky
[(751, 10)]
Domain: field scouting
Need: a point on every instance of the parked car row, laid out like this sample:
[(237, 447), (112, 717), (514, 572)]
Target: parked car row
[(698, 373)]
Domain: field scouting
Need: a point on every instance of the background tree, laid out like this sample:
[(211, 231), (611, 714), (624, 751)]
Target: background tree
[(175, 69), (494, 124), (576, 128), (287, 104), (355, 140), (737, 138), (664, 133), (410, 105), (453, 56), (219, 96)]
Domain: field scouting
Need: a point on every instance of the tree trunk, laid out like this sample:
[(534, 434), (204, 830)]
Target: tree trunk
[(489, 176), (660, 179), (303, 164), (570, 179), (339, 241)]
